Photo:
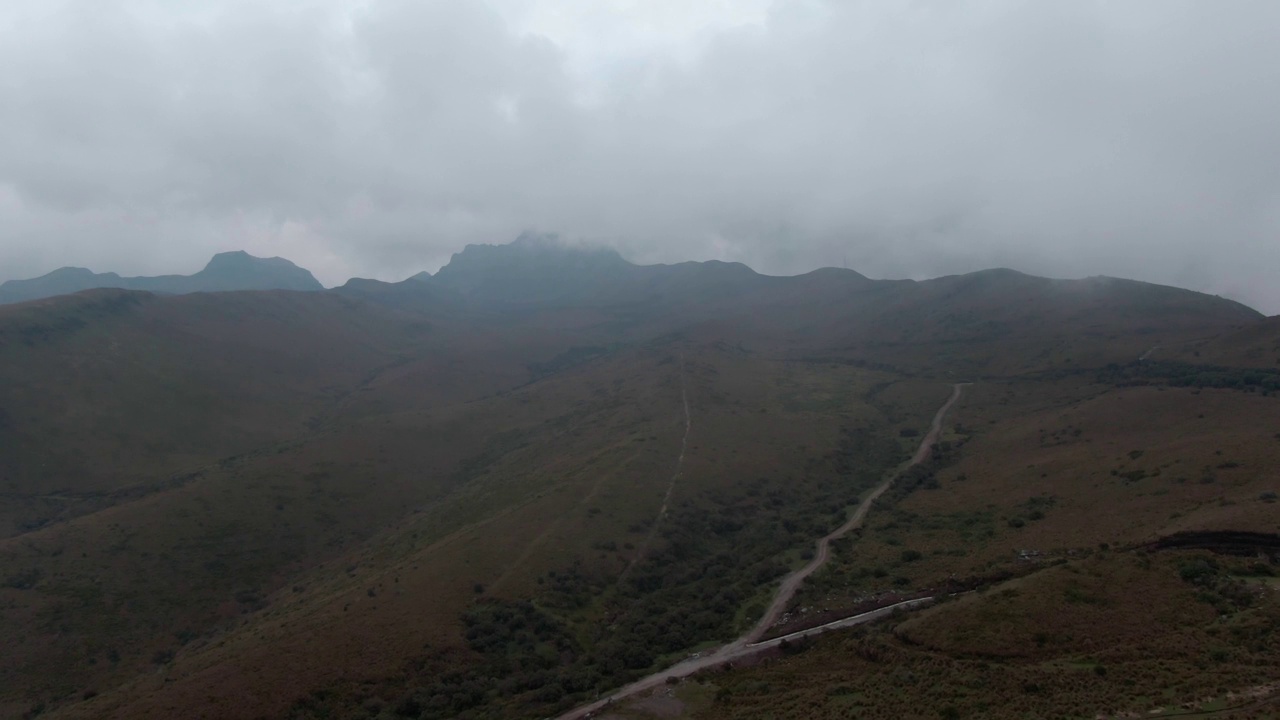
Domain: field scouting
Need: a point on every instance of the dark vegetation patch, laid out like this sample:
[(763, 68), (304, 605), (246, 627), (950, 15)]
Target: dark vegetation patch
[(991, 655), (586, 632), (1222, 542), (1180, 374), (1223, 584), (846, 587)]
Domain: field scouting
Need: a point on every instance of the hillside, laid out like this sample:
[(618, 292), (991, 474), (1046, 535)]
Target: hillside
[(225, 272), (1047, 506), (503, 489), (1256, 345)]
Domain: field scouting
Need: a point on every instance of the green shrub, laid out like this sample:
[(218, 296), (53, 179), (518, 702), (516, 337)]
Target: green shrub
[(1201, 571)]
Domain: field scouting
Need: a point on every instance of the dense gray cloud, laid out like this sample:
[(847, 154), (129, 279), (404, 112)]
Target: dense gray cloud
[(907, 139)]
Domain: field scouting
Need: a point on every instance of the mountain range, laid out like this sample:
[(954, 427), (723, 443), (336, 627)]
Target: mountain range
[(508, 489), (225, 272)]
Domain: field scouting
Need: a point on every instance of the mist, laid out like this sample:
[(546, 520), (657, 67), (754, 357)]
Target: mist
[(910, 139)]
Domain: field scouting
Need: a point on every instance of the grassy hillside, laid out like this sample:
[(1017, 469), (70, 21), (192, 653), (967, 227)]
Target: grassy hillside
[(1110, 636), (109, 393), (1254, 346), (557, 499), (1045, 504), (437, 500)]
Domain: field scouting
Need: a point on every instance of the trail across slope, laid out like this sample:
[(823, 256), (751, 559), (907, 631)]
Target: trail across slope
[(748, 643), (675, 476)]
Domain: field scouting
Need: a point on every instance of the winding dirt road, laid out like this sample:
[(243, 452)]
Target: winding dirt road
[(791, 583), (749, 644)]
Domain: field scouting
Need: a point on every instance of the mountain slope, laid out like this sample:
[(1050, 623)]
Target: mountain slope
[(1256, 345), (503, 489), (133, 388), (1049, 505)]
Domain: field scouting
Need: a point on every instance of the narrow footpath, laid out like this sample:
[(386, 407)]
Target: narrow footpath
[(671, 486)]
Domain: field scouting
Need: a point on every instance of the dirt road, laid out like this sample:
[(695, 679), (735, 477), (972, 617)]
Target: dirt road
[(792, 582), (735, 650), (748, 644)]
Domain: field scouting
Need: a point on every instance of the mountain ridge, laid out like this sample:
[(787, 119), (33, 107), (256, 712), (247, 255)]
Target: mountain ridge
[(542, 274), (225, 272), (536, 270)]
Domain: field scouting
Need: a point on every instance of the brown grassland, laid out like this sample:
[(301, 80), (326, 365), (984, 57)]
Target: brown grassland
[(1047, 489), (397, 502)]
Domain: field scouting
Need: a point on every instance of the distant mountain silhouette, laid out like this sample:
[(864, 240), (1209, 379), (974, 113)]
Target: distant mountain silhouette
[(226, 271), (544, 275), (534, 269), (990, 321)]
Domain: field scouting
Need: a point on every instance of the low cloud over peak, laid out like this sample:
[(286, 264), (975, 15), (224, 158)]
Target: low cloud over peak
[(908, 139)]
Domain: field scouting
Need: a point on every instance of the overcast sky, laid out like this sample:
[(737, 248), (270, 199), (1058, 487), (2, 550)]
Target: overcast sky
[(911, 138)]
